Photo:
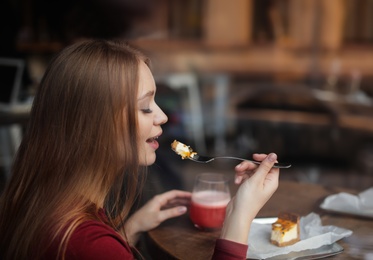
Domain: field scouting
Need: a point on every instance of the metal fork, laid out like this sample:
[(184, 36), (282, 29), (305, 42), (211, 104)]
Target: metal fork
[(207, 159)]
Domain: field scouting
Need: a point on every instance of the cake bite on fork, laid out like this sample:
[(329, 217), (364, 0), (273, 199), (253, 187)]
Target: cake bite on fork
[(186, 152)]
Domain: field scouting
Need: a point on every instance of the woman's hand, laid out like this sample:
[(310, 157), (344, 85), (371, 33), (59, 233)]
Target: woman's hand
[(161, 207), (257, 184)]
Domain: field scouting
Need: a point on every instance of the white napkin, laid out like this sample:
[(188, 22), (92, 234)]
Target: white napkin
[(312, 233), (361, 204)]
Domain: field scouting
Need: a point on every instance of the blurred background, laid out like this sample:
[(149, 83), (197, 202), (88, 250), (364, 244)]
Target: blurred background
[(234, 77)]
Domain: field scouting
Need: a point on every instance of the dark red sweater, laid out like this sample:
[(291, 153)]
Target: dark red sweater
[(95, 240)]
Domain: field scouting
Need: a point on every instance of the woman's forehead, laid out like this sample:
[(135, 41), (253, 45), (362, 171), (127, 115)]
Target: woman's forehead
[(146, 80)]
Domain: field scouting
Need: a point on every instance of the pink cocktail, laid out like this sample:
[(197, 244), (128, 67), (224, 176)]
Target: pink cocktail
[(207, 209), (209, 201)]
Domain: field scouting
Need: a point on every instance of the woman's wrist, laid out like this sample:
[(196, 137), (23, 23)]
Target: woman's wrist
[(131, 232), (236, 228)]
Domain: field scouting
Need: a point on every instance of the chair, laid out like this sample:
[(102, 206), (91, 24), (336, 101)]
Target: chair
[(12, 110)]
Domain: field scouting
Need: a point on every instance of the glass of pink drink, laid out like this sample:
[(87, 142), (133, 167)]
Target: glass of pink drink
[(210, 197)]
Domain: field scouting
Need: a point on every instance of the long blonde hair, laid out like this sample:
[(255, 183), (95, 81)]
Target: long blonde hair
[(71, 160)]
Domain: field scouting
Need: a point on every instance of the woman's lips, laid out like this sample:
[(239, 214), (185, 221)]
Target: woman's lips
[(153, 142)]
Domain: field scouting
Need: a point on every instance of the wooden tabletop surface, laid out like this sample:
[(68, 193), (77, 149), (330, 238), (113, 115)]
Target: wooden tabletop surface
[(179, 239)]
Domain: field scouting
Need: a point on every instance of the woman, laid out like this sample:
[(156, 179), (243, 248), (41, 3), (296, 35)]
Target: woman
[(93, 124)]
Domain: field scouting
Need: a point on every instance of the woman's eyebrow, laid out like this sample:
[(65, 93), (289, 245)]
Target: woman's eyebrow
[(147, 94)]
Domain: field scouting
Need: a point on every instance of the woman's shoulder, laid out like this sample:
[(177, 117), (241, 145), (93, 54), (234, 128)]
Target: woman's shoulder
[(94, 239)]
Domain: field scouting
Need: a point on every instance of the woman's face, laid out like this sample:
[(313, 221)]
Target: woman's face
[(150, 116)]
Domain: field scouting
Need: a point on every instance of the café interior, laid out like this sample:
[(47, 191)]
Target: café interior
[(253, 76)]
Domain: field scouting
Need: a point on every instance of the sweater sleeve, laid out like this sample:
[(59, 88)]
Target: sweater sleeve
[(95, 241), (229, 250)]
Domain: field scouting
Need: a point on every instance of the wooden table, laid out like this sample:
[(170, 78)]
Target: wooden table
[(179, 239)]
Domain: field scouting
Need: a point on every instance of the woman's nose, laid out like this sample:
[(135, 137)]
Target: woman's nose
[(161, 117)]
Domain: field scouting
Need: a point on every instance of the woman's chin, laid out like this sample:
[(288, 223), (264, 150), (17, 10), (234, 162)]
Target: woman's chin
[(149, 160)]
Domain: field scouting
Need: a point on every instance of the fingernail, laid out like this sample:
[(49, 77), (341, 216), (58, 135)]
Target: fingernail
[(272, 157), (182, 209), (238, 166)]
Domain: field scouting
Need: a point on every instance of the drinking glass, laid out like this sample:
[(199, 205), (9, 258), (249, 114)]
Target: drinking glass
[(210, 197)]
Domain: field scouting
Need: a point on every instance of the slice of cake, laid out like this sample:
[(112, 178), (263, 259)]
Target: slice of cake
[(183, 150), (286, 230)]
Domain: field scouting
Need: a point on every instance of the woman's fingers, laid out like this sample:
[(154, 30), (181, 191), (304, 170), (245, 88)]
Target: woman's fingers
[(243, 171), (259, 156), (245, 166), (172, 212), (267, 164), (246, 169), (266, 177), (169, 196), (172, 204), (176, 202)]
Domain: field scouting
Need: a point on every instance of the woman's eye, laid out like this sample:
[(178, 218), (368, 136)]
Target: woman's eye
[(146, 110)]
